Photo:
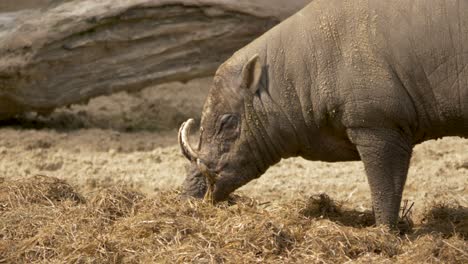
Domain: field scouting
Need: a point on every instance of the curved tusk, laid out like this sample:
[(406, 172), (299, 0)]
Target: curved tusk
[(185, 147)]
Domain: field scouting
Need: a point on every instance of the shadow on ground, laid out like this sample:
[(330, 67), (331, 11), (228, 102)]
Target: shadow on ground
[(446, 220), (154, 117)]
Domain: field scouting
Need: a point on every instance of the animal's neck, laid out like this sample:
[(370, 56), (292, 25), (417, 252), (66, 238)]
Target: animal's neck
[(263, 144), (295, 85), (275, 113)]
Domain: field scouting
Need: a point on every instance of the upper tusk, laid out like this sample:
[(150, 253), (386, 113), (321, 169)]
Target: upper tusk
[(185, 146)]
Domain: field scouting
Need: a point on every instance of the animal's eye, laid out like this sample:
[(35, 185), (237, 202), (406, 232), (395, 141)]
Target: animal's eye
[(228, 125), (228, 121)]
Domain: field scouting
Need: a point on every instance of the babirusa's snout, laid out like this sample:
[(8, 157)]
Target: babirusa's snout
[(192, 155)]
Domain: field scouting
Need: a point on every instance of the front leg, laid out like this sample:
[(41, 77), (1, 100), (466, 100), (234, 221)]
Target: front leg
[(386, 155)]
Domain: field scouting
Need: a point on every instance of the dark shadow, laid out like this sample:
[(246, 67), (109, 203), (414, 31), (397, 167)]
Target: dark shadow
[(322, 206), (354, 218), (148, 118), (57, 121), (445, 219)]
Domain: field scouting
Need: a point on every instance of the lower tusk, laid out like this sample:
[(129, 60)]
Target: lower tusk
[(209, 195), (211, 179)]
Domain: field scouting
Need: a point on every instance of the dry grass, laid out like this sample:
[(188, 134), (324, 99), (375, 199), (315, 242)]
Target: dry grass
[(44, 220)]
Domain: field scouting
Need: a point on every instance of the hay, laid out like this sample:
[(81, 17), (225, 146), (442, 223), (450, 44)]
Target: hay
[(44, 220), (37, 190)]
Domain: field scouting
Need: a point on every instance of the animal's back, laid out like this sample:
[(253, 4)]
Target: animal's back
[(426, 44), (378, 55)]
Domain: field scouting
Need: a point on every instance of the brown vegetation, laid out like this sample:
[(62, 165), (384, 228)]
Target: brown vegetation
[(45, 220), (81, 215)]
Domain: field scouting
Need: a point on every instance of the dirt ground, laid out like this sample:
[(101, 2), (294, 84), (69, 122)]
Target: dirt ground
[(130, 140)]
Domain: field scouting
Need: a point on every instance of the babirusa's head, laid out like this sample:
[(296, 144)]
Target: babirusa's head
[(228, 154)]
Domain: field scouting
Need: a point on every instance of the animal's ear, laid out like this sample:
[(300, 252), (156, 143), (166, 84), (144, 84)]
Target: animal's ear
[(252, 74)]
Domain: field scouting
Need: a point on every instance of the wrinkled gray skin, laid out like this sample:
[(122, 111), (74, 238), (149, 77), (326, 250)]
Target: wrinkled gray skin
[(339, 81)]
